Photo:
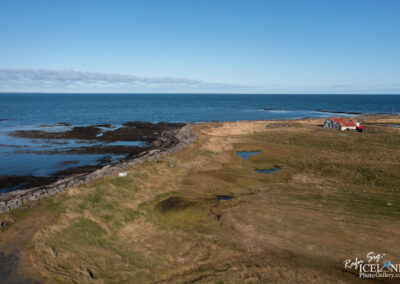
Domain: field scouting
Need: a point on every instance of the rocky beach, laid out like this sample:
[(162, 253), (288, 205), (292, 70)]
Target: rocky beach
[(159, 139)]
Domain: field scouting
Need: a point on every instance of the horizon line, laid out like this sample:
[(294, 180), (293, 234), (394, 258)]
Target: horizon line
[(197, 93)]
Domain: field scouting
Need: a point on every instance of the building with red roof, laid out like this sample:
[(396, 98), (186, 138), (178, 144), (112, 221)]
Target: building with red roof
[(341, 123)]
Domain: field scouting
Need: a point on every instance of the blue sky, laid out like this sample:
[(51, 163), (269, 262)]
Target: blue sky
[(280, 46)]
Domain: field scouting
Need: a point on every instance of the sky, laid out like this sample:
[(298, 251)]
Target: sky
[(210, 46)]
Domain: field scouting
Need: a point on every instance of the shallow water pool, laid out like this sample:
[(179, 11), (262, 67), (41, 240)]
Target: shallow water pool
[(268, 171), (224, 197), (246, 155)]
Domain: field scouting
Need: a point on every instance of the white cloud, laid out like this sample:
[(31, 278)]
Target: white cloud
[(13, 79)]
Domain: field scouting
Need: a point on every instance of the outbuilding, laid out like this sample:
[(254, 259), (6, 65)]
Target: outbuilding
[(341, 123)]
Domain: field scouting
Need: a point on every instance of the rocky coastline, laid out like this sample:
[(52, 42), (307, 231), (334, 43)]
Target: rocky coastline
[(167, 139)]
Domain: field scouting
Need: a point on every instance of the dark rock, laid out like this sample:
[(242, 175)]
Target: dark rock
[(69, 162), (79, 132), (130, 131), (77, 170), (96, 149), (55, 124), (105, 160), (138, 124), (106, 149), (15, 182), (83, 132)]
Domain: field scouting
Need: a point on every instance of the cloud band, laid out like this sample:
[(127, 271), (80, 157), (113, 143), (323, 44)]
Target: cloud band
[(44, 79)]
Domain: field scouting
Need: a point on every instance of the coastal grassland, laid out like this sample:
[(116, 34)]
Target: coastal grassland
[(336, 197)]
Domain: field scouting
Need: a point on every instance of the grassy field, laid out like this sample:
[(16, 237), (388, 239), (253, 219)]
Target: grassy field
[(337, 196)]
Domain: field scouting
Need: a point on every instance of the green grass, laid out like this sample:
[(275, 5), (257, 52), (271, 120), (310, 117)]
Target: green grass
[(183, 213), (80, 234)]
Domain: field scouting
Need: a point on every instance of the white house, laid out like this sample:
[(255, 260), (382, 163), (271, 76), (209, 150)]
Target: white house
[(342, 124)]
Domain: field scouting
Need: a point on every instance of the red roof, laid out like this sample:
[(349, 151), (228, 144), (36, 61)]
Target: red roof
[(344, 122)]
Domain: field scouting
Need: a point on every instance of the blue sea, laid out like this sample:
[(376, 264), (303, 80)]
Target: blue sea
[(32, 111)]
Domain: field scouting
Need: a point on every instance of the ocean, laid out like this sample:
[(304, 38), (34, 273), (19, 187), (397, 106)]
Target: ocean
[(19, 156)]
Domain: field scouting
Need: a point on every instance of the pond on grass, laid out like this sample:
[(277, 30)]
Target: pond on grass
[(268, 171), (246, 155), (224, 197)]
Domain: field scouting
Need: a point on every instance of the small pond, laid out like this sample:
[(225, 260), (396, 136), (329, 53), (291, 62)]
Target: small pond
[(268, 171), (224, 197), (246, 155)]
